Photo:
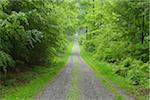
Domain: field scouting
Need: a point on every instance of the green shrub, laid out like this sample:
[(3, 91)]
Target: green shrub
[(127, 62), (135, 70), (10, 82), (82, 39), (120, 70), (136, 77), (145, 68), (89, 46), (6, 61), (33, 32)]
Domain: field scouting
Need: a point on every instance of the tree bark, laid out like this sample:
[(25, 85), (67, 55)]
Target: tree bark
[(142, 35)]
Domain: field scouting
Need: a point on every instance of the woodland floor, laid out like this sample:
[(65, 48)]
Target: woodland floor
[(75, 82)]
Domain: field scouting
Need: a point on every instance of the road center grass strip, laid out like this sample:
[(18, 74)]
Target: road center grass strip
[(74, 93)]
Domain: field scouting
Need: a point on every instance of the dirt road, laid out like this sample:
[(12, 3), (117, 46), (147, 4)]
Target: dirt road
[(89, 87)]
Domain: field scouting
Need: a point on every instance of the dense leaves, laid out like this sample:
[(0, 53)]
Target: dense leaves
[(117, 32), (34, 31)]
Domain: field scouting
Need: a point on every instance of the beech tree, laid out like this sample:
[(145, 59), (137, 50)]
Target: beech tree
[(118, 33), (34, 32)]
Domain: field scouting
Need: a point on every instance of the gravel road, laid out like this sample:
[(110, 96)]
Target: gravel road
[(89, 87)]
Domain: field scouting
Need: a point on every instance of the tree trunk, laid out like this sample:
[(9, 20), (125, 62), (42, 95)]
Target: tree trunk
[(142, 35)]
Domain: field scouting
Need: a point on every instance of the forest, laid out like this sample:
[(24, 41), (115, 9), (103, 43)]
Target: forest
[(118, 32), (37, 36)]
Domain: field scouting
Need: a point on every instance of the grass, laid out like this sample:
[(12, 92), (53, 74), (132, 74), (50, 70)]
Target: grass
[(111, 81), (105, 74), (37, 78), (74, 93)]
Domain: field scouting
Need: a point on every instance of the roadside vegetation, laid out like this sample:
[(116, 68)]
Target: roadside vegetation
[(115, 34), (34, 37), (115, 83), (26, 84)]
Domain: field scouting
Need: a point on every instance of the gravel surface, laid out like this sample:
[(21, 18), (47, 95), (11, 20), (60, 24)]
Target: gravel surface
[(57, 89), (90, 88)]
